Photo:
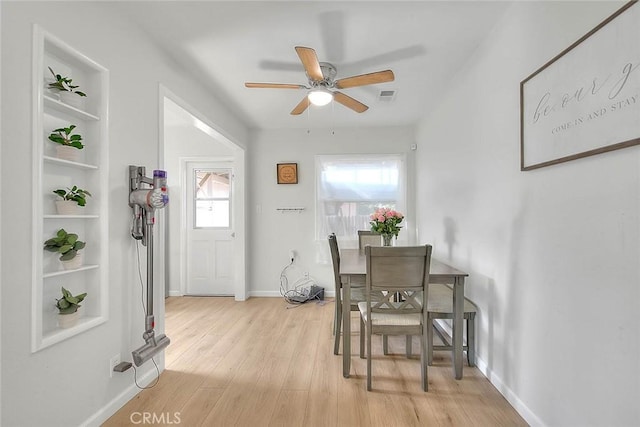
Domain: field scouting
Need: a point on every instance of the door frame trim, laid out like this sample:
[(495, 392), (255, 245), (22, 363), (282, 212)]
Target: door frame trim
[(239, 201)]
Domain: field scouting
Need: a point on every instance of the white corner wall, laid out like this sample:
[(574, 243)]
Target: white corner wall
[(273, 234), (68, 384), (553, 254)]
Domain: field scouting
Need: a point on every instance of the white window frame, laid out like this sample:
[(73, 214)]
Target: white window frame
[(349, 238)]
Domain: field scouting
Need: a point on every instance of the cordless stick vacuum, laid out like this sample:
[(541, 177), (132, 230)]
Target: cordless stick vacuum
[(146, 195)]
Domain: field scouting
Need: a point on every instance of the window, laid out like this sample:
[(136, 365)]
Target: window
[(212, 198), (351, 187)]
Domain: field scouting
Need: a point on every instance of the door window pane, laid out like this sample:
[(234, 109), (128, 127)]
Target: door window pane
[(212, 213), (212, 189)]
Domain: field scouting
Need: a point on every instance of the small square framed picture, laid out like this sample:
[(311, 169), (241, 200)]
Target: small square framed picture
[(287, 173)]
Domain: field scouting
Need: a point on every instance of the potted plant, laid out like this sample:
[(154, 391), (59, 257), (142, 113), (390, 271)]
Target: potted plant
[(68, 143), (68, 245), (65, 90), (72, 199), (68, 308)]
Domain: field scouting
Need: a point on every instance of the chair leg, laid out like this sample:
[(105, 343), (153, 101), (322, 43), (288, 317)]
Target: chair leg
[(337, 321), (424, 351), (408, 346), (385, 345), (368, 327), (430, 340), (471, 339), (362, 332)]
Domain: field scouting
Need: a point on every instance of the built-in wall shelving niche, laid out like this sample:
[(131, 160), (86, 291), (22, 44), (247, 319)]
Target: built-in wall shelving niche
[(50, 172)]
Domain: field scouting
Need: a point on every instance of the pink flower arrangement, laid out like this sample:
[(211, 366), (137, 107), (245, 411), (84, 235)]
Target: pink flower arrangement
[(385, 221)]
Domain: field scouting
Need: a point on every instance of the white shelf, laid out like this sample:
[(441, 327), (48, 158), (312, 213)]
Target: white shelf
[(60, 106), (66, 272), (55, 216), (59, 334), (68, 163)]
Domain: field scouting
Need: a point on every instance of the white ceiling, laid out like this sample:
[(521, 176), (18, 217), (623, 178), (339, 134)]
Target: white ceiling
[(226, 43)]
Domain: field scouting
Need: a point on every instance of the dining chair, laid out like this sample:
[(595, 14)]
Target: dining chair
[(400, 270), (357, 294), (368, 237), (373, 238), (440, 306)]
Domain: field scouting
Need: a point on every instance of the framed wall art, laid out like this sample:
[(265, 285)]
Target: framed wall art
[(586, 100), (287, 173)]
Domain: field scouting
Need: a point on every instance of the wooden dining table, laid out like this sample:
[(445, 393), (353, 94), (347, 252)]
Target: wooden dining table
[(353, 267)]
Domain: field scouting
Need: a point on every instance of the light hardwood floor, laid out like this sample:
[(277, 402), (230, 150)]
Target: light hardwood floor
[(259, 363)]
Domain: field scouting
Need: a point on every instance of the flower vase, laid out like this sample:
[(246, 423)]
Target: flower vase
[(387, 239)]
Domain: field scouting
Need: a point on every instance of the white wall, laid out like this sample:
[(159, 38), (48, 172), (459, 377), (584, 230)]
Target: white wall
[(68, 383), (273, 234), (552, 253)]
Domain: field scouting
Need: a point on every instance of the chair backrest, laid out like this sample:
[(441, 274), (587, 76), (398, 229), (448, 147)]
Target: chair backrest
[(368, 237), (335, 258), (402, 270)]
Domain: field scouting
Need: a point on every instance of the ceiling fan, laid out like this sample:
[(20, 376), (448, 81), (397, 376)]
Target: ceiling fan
[(322, 83)]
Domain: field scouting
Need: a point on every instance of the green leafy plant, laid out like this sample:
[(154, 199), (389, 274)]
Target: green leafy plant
[(68, 303), (63, 136), (65, 243), (63, 84), (76, 194)]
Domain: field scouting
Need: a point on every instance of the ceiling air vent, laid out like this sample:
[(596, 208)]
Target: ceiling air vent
[(387, 95)]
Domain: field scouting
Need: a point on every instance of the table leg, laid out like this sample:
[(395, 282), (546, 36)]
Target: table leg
[(346, 328), (458, 322)]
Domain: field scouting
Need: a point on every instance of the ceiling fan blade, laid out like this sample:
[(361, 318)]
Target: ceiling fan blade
[(366, 79), (349, 102), (303, 105), (310, 61), (274, 85)]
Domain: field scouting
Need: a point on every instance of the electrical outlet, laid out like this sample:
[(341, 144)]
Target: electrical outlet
[(306, 275), (112, 364)]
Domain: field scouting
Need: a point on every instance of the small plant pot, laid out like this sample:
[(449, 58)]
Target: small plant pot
[(68, 320), (68, 207), (71, 98), (65, 152), (74, 263)]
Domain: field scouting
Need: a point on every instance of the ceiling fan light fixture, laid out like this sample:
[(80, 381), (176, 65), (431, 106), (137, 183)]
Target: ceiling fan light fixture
[(320, 97)]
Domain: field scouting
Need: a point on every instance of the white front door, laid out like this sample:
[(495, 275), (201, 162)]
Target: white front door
[(210, 233)]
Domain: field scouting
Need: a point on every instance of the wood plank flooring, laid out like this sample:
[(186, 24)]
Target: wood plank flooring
[(260, 363)]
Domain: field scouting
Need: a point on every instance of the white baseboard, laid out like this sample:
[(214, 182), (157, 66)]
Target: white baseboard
[(277, 294), (119, 401), (264, 294), (522, 409), (175, 294)]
